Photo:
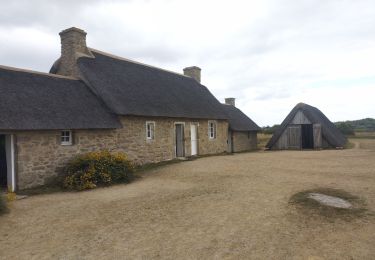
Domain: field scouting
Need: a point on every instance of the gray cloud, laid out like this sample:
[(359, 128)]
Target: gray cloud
[(257, 51)]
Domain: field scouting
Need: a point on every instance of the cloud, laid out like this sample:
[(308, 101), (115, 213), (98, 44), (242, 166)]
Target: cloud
[(268, 54)]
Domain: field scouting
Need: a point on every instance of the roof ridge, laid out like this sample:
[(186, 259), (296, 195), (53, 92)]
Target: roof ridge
[(133, 61), (36, 72)]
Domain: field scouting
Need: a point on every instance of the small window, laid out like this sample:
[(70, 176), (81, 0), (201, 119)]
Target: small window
[(66, 137), (211, 129), (150, 130)]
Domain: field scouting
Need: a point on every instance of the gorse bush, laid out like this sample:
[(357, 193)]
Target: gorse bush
[(89, 170), (3, 205)]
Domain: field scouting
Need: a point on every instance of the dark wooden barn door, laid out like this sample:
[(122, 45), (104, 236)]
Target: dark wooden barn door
[(307, 137), (3, 163), (180, 149)]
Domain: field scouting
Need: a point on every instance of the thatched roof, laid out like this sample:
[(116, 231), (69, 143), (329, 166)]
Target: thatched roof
[(238, 121), (131, 88), (33, 100), (329, 131)]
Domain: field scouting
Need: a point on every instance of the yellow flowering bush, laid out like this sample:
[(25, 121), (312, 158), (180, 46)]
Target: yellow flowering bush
[(89, 170)]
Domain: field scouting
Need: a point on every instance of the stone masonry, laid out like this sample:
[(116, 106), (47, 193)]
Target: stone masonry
[(40, 157), (73, 46), (193, 72), (244, 141)]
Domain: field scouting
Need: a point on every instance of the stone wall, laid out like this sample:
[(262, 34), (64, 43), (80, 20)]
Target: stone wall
[(244, 141), (40, 157)]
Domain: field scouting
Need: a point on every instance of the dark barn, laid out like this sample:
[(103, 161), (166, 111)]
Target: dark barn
[(306, 127)]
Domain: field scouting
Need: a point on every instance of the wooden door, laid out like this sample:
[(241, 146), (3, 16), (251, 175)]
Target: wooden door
[(194, 139), (294, 137), (180, 149), (317, 136), (230, 142)]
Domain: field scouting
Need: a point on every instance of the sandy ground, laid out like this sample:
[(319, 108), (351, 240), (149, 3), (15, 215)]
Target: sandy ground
[(224, 207)]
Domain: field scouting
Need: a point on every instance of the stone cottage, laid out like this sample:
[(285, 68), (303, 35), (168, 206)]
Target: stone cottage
[(242, 131), (93, 100)]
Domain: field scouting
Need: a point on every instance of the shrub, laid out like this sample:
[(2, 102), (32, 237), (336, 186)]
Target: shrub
[(345, 128), (89, 170), (3, 205)]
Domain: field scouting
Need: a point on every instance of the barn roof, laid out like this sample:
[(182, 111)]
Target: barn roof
[(132, 88), (329, 131), (32, 100), (238, 121)]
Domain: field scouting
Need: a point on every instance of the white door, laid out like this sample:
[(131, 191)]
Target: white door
[(194, 139)]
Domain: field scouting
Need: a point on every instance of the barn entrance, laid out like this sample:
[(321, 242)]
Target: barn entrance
[(3, 164), (307, 136)]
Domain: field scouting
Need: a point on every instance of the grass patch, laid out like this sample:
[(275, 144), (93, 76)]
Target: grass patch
[(263, 140), (310, 206), (349, 145)]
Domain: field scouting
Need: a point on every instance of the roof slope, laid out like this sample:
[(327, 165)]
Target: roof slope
[(130, 88), (31, 100), (329, 131), (238, 121)]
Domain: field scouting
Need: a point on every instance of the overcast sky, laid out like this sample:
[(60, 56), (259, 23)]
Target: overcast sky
[(269, 55)]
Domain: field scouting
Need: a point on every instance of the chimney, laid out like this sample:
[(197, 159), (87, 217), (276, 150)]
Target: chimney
[(193, 72), (73, 45), (230, 101)]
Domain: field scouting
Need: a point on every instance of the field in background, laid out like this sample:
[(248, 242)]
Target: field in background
[(364, 135)]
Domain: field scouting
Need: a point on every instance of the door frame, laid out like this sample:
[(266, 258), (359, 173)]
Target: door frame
[(183, 138)]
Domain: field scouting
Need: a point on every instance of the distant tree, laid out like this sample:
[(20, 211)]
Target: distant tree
[(269, 129), (345, 128), (361, 125)]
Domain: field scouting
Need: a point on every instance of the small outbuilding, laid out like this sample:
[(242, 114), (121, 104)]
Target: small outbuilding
[(306, 127), (242, 131)]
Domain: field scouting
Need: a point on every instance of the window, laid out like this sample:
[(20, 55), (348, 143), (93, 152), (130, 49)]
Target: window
[(211, 129), (150, 130), (66, 137)]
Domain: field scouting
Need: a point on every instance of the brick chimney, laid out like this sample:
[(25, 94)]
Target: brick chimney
[(230, 101), (73, 46), (193, 72)]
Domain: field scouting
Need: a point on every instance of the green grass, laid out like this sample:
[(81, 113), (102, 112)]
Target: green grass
[(311, 207)]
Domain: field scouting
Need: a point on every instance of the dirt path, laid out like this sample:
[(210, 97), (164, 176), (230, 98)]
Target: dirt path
[(225, 207)]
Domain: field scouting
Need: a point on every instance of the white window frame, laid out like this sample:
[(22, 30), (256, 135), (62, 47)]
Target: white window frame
[(66, 137), (150, 133), (212, 130)]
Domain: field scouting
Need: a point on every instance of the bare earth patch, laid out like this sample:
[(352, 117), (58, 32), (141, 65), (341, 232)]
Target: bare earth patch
[(225, 207)]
